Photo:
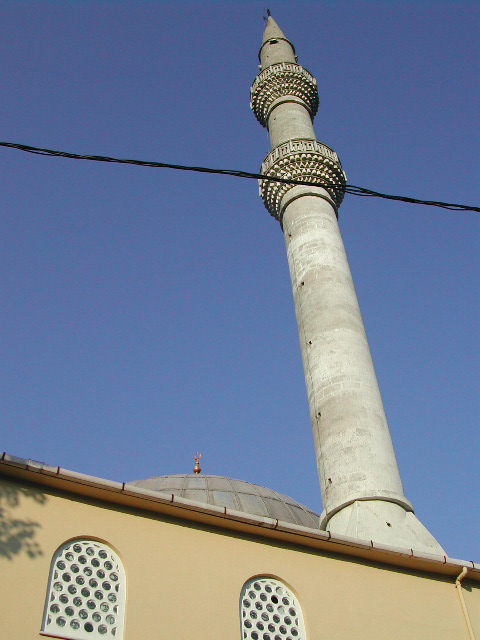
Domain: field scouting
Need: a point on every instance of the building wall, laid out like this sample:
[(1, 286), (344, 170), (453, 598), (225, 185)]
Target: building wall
[(184, 580)]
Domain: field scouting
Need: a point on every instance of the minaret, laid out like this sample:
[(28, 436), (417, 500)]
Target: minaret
[(360, 484)]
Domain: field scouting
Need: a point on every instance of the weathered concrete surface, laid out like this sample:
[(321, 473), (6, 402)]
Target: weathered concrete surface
[(354, 452), (355, 455), (288, 121)]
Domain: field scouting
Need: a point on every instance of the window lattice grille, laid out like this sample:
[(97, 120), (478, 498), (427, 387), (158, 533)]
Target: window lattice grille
[(86, 592), (269, 611)]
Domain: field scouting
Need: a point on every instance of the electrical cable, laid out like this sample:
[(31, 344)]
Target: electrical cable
[(350, 189)]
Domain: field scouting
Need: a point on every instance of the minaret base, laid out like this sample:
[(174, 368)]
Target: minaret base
[(384, 522)]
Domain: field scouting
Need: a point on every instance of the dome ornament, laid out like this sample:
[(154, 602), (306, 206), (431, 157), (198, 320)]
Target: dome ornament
[(196, 468)]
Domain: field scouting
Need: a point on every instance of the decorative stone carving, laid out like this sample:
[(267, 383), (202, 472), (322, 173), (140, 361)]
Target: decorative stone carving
[(280, 80), (306, 160)]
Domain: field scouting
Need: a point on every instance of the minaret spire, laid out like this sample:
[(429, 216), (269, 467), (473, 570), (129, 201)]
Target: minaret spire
[(272, 30), (274, 35), (360, 484)]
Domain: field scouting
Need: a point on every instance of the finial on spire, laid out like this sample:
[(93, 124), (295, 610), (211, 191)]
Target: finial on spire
[(196, 468)]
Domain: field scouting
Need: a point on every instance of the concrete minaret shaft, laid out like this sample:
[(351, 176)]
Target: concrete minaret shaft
[(360, 484)]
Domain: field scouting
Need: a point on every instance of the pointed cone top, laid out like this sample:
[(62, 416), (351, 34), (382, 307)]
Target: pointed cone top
[(272, 30), (285, 51)]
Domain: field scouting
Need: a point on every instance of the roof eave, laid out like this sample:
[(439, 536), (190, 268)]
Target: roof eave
[(128, 495)]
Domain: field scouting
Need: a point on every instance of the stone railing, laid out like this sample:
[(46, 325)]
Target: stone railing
[(280, 80), (305, 160)]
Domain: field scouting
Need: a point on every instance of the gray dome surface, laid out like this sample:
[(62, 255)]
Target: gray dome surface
[(233, 494)]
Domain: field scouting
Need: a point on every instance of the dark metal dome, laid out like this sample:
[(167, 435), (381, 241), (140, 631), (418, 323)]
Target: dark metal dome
[(233, 494)]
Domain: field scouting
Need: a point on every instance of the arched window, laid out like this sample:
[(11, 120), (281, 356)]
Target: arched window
[(270, 611), (86, 592)]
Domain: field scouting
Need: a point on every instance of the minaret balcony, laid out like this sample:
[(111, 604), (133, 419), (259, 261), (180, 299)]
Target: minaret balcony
[(304, 160), (283, 80)]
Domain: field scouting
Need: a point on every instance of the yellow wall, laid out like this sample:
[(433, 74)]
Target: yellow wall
[(184, 581)]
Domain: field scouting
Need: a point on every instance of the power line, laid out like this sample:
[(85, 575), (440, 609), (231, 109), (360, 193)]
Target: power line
[(349, 188)]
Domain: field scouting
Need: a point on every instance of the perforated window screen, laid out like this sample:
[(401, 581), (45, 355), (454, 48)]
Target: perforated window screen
[(86, 592), (269, 611)]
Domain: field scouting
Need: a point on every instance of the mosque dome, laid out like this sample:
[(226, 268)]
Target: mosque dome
[(233, 494)]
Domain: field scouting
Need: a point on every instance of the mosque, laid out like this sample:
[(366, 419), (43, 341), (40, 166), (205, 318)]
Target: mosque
[(215, 558)]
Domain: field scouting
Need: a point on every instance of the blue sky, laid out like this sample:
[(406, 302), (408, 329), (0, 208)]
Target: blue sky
[(148, 314)]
